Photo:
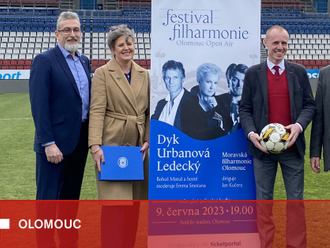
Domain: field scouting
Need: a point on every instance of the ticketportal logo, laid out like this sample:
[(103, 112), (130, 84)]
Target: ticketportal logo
[(4, 224)]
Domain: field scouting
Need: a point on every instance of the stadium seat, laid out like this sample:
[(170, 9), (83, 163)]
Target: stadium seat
[(28, 62), (309, 31), (324, 62)]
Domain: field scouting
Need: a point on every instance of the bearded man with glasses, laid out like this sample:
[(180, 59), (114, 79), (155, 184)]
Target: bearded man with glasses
[(59, 88)]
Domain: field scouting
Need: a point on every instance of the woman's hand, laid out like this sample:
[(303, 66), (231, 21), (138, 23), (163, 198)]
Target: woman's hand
[(207, 102), (97, 155), (144, 149)]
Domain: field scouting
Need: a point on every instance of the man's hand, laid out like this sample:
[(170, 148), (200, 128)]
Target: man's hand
[(315, 164), (53, 154), (294, 130), (255, 139)]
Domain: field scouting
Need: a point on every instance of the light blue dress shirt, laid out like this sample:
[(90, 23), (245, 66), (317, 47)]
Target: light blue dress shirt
[(81, 79)]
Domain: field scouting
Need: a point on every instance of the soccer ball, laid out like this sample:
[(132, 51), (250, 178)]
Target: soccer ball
[(274, 138)]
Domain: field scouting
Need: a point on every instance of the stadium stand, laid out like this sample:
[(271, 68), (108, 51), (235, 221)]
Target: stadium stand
[(27, 28)]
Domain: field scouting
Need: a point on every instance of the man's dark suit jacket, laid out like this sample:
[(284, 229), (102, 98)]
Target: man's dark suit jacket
[(161, 104), (321, 129), (253, 109), (55, 101)]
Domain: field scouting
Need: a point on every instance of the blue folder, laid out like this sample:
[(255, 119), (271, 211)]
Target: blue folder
[(122, 163)]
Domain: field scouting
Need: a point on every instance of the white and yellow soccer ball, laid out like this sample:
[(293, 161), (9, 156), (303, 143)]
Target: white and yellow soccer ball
[(274, 138)]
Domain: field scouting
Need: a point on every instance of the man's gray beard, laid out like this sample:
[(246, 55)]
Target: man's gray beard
[(71, 48)]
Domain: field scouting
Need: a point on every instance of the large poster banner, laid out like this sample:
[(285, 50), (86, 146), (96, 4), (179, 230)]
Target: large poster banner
[(201, 50)]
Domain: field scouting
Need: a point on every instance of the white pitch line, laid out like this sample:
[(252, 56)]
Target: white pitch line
[(16, 119)]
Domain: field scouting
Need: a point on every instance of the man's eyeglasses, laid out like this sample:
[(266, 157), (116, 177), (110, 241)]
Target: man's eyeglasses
[(69, 30)]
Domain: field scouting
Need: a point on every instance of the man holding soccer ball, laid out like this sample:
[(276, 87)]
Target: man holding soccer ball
[(277, 91)]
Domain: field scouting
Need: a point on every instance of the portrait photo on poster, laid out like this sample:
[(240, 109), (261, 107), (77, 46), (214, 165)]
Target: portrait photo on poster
[(199, 110)]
